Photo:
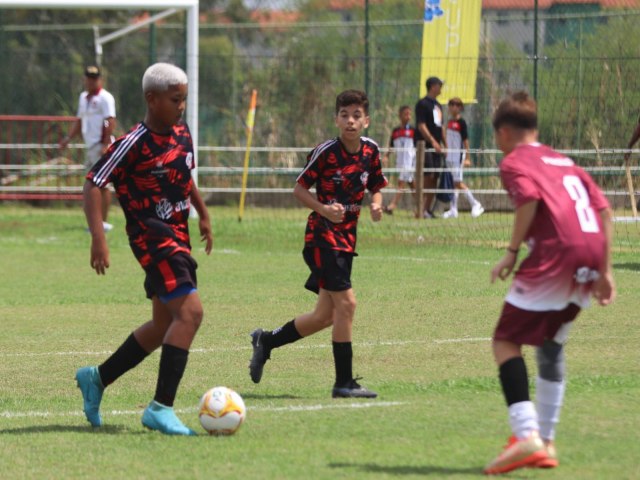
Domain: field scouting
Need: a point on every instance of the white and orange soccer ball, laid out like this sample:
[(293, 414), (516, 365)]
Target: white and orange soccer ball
[(221, 411)]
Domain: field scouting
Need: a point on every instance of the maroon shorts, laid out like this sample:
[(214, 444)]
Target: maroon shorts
[(526, 327), (170, 273), (330, 269)]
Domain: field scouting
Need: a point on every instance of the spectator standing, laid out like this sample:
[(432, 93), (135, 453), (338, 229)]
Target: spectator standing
[(96, 121), (429, 128), (402, 140), (457, 137)]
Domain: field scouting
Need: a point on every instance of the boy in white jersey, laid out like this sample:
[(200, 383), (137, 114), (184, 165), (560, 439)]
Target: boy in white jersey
[(566, 222), (402, 140), (457, 136)]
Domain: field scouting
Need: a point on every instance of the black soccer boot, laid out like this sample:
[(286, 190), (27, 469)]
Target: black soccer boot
[(260, 355), (352, 389)]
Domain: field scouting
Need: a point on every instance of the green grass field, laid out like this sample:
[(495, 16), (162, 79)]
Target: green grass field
[(421, 339)]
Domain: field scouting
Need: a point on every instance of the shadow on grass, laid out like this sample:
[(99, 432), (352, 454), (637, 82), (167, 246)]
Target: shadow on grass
[(267, 396), (104, 430), (634, 267), (432, 470)]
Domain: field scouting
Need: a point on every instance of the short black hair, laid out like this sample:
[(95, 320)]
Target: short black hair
[(352, 97), (518, 110), (431, 81), (403, 108)]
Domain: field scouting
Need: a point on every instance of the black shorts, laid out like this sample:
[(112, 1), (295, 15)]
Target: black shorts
[(330, 269), (169, 274), (432, 160)]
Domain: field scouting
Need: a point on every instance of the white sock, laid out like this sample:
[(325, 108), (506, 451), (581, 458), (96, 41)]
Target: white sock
[(523, 419), (470, 197), (454, 201), (549, 396)]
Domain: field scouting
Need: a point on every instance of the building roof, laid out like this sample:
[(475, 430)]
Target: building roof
[(349, 4), (266, 17), (546, 4)]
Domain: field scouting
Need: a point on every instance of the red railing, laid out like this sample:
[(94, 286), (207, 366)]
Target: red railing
[(32, 167)]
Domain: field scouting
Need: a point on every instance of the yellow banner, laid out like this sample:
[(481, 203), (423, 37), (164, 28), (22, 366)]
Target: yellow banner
[(450, 45)]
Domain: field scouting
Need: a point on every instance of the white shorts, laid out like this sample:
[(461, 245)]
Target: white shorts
[(454, 165), (407, 167), (92, 155)]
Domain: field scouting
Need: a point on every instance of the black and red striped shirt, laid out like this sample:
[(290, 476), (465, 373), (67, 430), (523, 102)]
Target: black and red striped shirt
[(151, 174), (340, 177)]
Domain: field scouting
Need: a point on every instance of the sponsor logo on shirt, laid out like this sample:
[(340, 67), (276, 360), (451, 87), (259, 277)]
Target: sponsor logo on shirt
[(164, 208), (352, 207), (586, 275), (364, 177), (159, 171), (558, 161)]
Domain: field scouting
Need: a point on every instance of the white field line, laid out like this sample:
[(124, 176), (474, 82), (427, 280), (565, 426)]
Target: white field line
[(383, 343), (288, 408), (426, 260)]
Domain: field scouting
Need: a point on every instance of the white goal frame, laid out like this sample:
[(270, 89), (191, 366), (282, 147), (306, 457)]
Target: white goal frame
[(191, 7)]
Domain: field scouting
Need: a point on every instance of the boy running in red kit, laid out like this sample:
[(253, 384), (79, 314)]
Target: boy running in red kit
[(565, 221), (340, 169), (150, 169)]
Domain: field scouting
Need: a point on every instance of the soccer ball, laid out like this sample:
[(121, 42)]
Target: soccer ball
[(221, 411)]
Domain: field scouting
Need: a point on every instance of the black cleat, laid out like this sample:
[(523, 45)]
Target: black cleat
[(260, 355), (352, 389)]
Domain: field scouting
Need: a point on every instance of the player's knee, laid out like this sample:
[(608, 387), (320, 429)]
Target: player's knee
[(348, 306), (550, 359), (193, 316)]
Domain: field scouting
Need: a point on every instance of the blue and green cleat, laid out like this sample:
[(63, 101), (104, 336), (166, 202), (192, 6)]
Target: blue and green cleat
[(89, 383), (162, 418)]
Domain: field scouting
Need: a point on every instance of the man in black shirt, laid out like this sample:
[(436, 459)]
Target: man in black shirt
[(429, 128)]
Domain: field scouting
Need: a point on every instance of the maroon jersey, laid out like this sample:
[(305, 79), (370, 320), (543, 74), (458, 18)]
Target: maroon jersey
[(566, 241), (151, 174), (340, 177)]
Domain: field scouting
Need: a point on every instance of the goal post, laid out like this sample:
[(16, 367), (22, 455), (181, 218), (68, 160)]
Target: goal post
[(191, 8)]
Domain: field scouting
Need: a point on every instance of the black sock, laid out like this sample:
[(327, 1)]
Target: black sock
[(173, 361), (514, 380), (122, 360), (287, 333), (343, 358)]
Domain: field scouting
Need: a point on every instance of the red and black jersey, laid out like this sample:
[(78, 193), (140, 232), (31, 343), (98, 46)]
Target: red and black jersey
[(340, 177), (402, 137), (151, 174)]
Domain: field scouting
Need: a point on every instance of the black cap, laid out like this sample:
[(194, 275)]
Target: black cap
[(433, 81), (92, 71)]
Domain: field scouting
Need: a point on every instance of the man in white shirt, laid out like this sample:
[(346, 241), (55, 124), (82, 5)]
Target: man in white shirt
[(96, 120)]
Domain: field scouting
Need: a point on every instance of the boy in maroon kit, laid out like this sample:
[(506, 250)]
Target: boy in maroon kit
[(150, 169), (565, 221), (341, 169)]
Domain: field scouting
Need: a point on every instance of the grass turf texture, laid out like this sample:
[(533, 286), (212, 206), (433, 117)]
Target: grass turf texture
[(421, 333)]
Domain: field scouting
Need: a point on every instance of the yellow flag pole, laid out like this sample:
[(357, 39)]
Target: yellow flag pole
[(251, 116)]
